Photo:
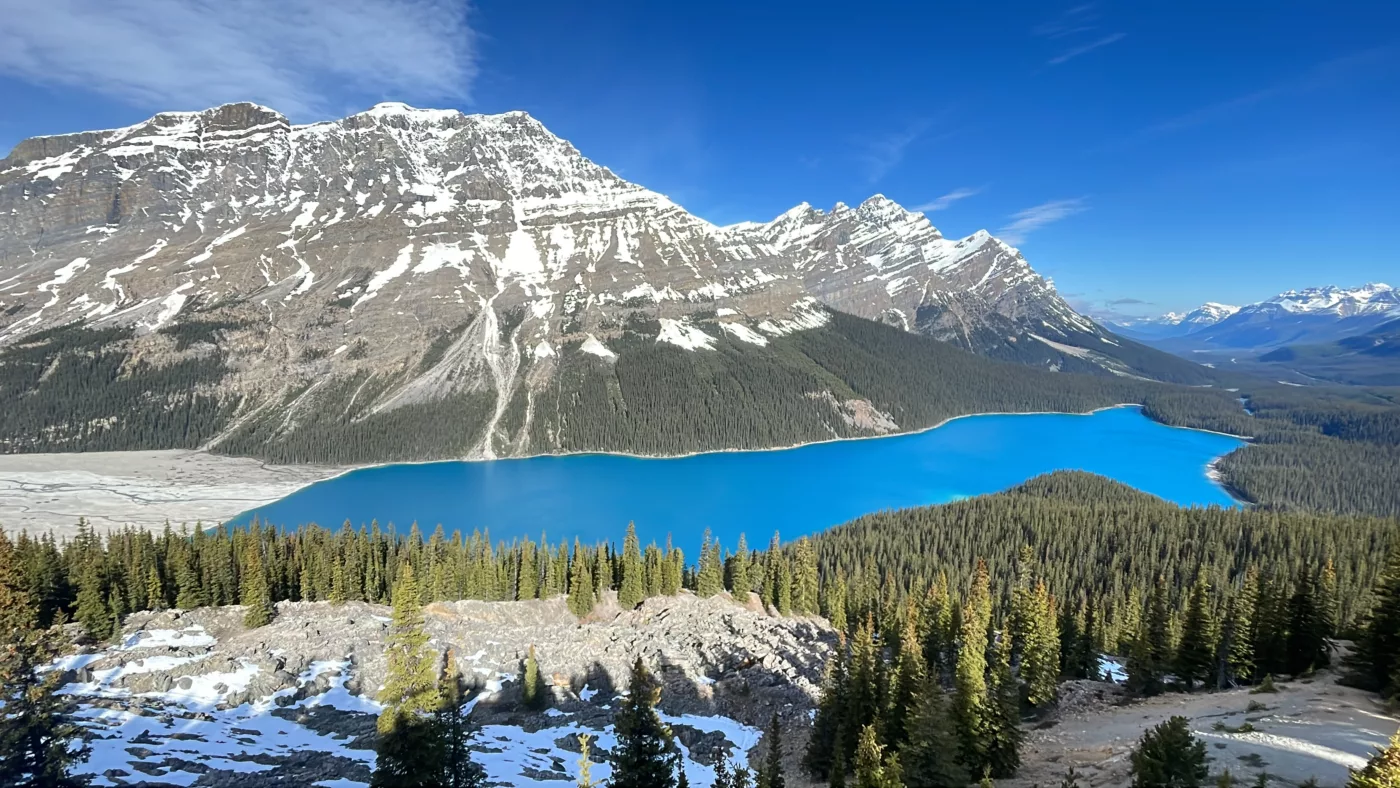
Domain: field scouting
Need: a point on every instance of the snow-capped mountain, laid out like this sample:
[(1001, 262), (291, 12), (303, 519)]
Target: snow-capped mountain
[(1174, 324), (456, 253), (1316, 314)]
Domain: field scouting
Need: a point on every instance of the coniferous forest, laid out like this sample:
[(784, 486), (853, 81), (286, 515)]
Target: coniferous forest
[(1325, 449), (1041, 580)]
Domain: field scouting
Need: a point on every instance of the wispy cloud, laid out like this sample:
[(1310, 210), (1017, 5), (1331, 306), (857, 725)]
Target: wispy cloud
[(1023, 223), (883, 153), (1319, 76), (1076, 22), (940, 203), (1085, 49), (1128, 302), (299, 56)]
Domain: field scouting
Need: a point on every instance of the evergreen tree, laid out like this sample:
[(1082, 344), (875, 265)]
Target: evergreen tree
[(1169, 756), (971, 706), (1377, 656), (824, 746), (673, 571), (804, 580), (1382, 771), (155, 589), (410, 751), (1196, 659), (710, 581), (633, 588), (738, 570), (581, 596), (872, 769), (929, 756), (771, 775), (92, 611), (1004, 720), (189, 585), (1307, 629), (655, 570), (640, 759), (585, 761), (534, 694), (862, 688), (1040, 660), (834, 603), (255, 595), (458, 768), (910, 678)]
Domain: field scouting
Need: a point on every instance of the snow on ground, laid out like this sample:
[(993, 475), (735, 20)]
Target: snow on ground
[(685, 335), (174, 736)]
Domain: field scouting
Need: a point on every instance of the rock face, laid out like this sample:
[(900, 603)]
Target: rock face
[(408, 256), (194, 693)]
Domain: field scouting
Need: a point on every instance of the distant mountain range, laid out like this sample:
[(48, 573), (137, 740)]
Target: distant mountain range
[(1333, 333), (285, 280)]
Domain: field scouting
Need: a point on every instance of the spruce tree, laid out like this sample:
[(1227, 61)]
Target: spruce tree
[(253, 588), (92, 610), (655, 570), (673, 571), (640, 759), (872, 770), (710, 581), (1307, 629), (1382, 771), (1196, 659), (1040, 660), (633, 588), (825, 745), (804, 580), (458, 768), (971, 705), (1169, 756), (910, 676), (929, 757), (1004, 719), (581, 598), (738, 571), (189, 585), (771, 775), (155, 589), (862, 687), (38, 746), (834, 603), (534, 694), (410, 744)]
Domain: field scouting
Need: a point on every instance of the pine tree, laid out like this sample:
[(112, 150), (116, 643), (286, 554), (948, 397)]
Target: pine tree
[(1307, 630), (1004, 720), (771, 776), (458, 768), (155, 589), (872, 770), (834, 603), (92, 611), (1382, 771), (804, 579), (673, 570), (738, 579), (1377, 656), (910, 677), (971, 705), (633, 588), (254, 592), (640, 758), (581, 597), (862, 687), (655, 570), (824, 745), (1196, 659), (38, 747), (533, 692), (929, 756), (1040, 660), (189, 585), (410, 746), (711, 578), (1168, 756)]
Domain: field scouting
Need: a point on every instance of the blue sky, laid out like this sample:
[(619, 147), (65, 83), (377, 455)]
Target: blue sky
[(1158, 152)]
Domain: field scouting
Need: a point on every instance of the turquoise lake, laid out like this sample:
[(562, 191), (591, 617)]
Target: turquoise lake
[(793, 491)]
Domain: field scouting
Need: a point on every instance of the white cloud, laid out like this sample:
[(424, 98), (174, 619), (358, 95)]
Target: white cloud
[(945, 201), (883, 153), (302, 57), (1090, 47), (1023, 223)]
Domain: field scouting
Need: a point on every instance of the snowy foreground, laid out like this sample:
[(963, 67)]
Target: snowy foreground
[(189, 706)]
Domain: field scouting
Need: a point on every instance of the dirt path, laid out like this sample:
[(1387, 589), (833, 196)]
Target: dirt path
[(1309, 728)]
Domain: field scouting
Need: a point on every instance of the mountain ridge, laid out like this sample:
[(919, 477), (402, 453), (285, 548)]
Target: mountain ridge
[(401, 258)]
